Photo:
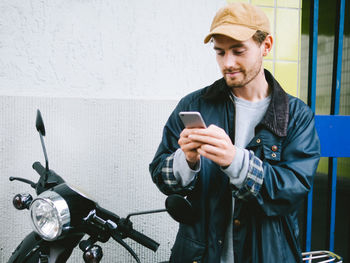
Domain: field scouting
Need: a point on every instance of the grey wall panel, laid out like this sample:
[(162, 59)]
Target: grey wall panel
[(101, 146)]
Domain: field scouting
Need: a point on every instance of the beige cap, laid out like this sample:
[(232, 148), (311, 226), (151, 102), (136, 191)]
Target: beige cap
[(239, 21)]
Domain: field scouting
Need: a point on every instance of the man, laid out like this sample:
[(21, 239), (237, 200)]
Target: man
[(248, 172)]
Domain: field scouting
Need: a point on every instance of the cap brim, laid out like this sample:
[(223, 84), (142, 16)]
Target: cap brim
[(237, 32)]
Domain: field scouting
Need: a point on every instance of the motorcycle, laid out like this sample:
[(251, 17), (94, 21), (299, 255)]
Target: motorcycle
[(61, 216)]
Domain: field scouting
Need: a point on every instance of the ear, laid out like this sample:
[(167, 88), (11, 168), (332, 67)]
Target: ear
[(267, 45)]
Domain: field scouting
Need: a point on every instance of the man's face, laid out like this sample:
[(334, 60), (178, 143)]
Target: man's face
[(240, 62)]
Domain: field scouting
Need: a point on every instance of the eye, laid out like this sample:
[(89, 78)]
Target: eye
[(220, 53), (238, 52)]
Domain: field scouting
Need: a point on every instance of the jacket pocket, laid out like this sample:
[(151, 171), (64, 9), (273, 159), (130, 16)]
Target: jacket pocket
[(186, 250)]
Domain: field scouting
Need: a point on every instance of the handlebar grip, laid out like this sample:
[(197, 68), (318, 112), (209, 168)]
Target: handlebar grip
[(143, 240), (39, 168)]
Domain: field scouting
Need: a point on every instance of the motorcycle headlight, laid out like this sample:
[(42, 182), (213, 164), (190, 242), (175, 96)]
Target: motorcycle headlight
[(50, 215)]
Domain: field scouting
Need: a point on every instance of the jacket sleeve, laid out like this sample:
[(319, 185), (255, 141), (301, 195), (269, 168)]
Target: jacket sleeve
[(278, 187), (161, 168)]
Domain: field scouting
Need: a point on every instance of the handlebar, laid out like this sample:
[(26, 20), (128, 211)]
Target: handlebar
[(104, 213), (48, 178), (39, 168), (143, 240), (123, 227)]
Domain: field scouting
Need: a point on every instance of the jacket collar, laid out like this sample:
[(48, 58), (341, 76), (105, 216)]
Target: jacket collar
[(277, 114)]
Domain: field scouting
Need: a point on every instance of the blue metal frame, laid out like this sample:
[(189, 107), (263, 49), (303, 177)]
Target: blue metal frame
[(313, 54), (337, 57), (311, 102), (336, 81), (332, 190)]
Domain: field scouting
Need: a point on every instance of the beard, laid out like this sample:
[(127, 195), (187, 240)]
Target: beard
[(243, 77)]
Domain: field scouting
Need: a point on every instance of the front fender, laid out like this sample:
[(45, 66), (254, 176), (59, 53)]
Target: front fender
[(29, 250), (26, 249)]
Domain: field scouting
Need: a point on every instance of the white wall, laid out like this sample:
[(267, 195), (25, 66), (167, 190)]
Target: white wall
[(105, 75), (105, 49)]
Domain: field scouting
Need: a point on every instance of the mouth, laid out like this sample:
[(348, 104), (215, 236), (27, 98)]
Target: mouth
[(232, 74)]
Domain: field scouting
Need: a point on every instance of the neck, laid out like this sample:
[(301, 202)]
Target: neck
[(257, 89)]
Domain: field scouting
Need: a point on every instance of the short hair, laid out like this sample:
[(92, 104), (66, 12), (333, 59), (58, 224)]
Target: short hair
[(260, 36)]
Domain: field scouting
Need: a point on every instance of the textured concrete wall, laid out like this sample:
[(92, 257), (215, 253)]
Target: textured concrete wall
[(106, 75), (89, 48)]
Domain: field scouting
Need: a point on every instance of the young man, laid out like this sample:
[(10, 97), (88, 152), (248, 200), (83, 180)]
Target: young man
[(247, 173)]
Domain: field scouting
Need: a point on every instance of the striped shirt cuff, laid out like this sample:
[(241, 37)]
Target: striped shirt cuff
[(169, 178), (253, 181)]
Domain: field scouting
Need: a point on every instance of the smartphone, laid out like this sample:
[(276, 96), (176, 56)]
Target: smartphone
[(192, 119)]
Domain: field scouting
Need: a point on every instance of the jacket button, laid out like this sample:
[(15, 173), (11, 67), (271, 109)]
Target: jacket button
[(258, 141), (220, 241), (236, 222), (273, 155), (274, 148)]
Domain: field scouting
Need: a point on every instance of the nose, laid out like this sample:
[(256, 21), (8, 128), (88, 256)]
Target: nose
[(229, 60)]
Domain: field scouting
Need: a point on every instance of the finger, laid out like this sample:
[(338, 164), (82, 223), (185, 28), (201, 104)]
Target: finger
[(212, 131), (190, 146), (213, 127), (186, 132), (207, 140), (221, 157), (212, 150), (209, 156), (184, 140)]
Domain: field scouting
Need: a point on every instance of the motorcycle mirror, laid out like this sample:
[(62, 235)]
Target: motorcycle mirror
[(39, 123), (180, 209)]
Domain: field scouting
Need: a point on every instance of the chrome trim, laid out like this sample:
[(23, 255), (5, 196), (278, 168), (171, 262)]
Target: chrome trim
[(62, 212)]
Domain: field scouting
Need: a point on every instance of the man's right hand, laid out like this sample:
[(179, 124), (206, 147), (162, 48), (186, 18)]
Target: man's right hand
[(189, 147)]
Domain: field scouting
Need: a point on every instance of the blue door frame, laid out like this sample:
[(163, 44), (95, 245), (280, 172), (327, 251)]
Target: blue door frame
[(332, 129)]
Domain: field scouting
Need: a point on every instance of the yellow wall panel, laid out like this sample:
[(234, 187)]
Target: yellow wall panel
[(263, 2), (287, 34), (268, 64), (270, 13), (233, 1), (288, 3), (286, 74)]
